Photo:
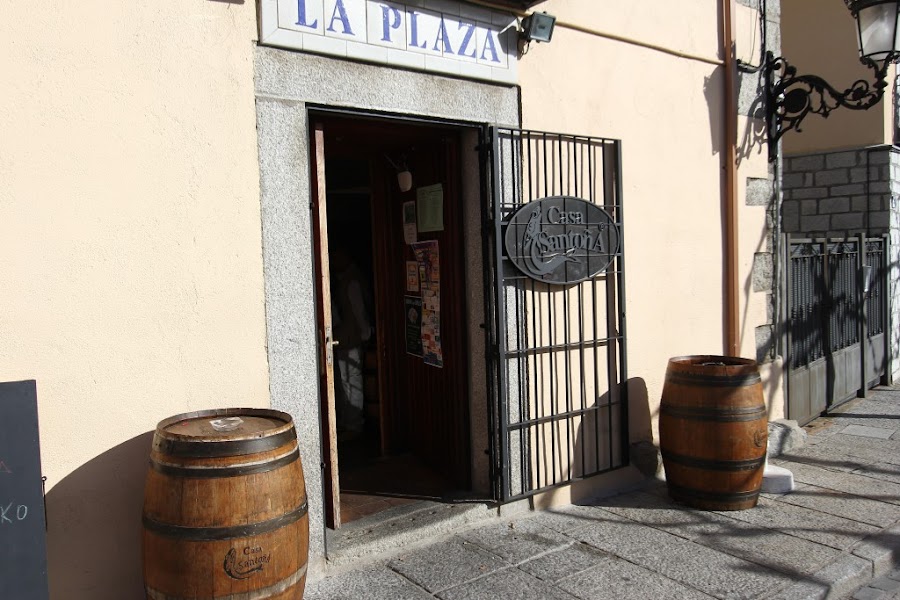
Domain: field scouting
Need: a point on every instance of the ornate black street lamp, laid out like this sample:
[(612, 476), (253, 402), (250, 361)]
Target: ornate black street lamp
[(790, 97)]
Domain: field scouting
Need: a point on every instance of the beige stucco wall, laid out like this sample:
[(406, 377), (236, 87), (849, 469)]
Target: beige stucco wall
[(130, 244), (834, 56), (668, 110), (130, 227)]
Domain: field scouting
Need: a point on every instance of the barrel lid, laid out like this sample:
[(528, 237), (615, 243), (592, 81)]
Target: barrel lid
[(225, 424), (708, 364)]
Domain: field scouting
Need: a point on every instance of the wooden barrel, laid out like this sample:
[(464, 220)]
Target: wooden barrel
[(225, 508), (713, 431)]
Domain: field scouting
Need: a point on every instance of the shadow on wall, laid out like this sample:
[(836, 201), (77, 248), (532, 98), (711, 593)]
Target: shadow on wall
[(713, 92), (639, 417), (596, 445), (94, 526), (753, 140)]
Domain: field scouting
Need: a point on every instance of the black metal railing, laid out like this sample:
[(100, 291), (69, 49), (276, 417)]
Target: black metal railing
[(826, 295)]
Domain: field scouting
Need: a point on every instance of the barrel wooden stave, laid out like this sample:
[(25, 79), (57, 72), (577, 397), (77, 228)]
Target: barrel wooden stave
[(226, 518), (713, 432)]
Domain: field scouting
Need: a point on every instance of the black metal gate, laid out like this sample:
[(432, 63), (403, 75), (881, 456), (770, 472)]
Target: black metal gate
[(837, 317), (557, 367)]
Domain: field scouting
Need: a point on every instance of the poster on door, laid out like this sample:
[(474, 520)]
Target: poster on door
[(428, 259), (413, 325), (412, 276), (410, 233)]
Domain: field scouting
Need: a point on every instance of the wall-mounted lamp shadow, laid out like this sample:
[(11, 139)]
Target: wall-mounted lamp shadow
[(790, 97)]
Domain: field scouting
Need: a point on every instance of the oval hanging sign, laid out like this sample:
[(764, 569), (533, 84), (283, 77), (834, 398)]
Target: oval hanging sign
[(561, 239)]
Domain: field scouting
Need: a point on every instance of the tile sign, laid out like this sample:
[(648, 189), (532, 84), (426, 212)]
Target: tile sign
[(438, 36)]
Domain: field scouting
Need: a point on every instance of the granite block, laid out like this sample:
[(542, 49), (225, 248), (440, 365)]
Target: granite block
[(836, 532), (371, 584), (691, 564), (867, 510), (869, 431), (446, 564), (509, 584), (616, 579), (564, 563), (848, 483), (517, 541), (836, 580)]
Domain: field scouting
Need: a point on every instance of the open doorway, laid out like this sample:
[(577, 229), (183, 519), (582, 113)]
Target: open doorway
[(392, 273)]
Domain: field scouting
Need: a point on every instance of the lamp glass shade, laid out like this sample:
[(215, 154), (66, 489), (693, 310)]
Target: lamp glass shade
[(404, 181), (878, 31), (538, 27)]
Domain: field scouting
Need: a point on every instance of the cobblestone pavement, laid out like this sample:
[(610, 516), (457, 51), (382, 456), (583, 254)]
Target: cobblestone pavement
[(837, 535)]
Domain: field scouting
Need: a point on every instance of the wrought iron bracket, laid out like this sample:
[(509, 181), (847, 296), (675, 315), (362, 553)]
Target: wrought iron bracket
[(790, 97)]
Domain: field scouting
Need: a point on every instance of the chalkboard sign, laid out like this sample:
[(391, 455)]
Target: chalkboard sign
[(23, 547)]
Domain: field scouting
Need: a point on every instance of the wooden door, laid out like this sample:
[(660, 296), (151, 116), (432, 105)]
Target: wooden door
[(325, 330), (424, 409), (428, 404)]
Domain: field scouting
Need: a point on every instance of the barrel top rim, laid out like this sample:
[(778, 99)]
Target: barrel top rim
[(699, 360), (162, 426)]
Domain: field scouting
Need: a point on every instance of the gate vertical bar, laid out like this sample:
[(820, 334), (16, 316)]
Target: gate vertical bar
[(500, 346), (889, 327), (620, 276), (788, 329), (488, 180), (862, 315)]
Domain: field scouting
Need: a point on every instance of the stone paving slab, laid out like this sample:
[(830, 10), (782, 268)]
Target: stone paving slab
[(884, 471), (517, 541), (885, 584), (849, 483), (510, 584), (663, 513), (446, 564), (617, 579), (720, 530), (563, 563), (889, 422), (839, 579), (843, 505), (371, 584), (832, 531), (568, 519), (882, 549), (871, 429), (768, 547), (875, 404), (824, 456), (715, 573)]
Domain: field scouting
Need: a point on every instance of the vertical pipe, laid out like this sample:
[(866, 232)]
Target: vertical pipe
[(730, 208)]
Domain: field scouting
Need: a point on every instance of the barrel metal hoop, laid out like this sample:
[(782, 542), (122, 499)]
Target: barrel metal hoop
[(211, 534), (271, 591), (213, 472), (216, 449), (677, 490), (744, 380), (722, 415), (749, 464)]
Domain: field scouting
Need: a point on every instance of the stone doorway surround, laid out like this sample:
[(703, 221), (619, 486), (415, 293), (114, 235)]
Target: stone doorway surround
[(287, 85)]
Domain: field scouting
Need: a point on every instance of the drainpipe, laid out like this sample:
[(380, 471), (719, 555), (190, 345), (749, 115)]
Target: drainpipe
[(729, 198)]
